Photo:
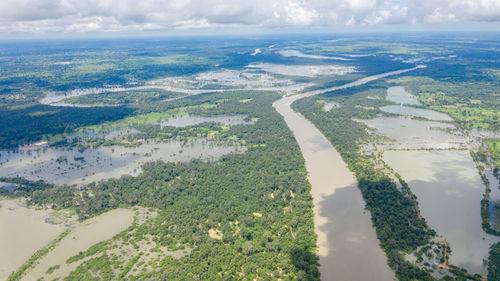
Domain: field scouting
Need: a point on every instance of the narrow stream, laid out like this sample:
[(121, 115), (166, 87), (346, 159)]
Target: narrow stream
[(348, 247)]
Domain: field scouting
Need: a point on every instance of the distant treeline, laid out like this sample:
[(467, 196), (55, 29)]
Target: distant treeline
[(29, 124)]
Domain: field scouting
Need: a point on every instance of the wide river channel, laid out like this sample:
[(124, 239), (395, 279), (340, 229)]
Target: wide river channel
[(348, 247)]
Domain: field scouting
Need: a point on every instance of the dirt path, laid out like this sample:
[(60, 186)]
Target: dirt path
[(444, 264)]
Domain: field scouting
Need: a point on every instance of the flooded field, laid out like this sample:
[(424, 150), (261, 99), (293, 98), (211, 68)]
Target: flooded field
[(56, 98), (224, 79), (22, 232), (298, 54), (304, 70), (449, 192), (191, 120), (82, 236), (117, 133), (399, 95), (494, 200), (331, 105), (71, 166), (416, 112), (342, 245), (409, 133), (120, 133), (250, 78)]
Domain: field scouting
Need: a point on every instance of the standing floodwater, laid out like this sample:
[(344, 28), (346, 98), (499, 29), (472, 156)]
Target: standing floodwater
[(449, 191), (399, 95), (346, 238), (72, 166)]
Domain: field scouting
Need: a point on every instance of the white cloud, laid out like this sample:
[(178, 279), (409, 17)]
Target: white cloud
[(360, 6), (40, 16), (297, 14)]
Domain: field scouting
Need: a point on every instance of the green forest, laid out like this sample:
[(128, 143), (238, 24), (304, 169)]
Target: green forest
[(247, 215), (394, 211), (193, 197)]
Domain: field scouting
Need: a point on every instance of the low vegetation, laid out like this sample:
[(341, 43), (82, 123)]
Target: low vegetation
[(35, 123), (18, 274), (194, 197)]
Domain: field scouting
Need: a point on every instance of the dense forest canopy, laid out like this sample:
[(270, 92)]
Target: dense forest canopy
[(245, 215)]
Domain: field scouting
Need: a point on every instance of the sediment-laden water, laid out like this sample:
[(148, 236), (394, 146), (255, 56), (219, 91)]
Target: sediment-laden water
[(347, 244), (449, 192)]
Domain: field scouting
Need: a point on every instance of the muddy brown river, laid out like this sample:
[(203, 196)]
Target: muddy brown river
[(348, 247)]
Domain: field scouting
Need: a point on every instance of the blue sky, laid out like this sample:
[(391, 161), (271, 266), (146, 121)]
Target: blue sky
[(77, 17)]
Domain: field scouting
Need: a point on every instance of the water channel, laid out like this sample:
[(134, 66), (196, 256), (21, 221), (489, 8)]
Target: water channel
[(347, 244), (449, 189)]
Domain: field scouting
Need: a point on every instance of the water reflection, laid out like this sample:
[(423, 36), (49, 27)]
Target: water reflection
[(494, 198), (399, 95), (71, 166), (449, 192), (416, 112), (191, 120), (412, 134)]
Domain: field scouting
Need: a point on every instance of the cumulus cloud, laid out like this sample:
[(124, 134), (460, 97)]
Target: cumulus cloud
[(39, 16)]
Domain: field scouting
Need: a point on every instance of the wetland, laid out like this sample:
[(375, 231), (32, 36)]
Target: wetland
[(75, 166), (449, 190)]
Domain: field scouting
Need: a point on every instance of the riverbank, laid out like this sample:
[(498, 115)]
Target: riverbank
[(342, 244)]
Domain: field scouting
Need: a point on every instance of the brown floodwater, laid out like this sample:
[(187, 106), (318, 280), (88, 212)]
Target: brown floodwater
[(23, 230), (449, 192), (82, 236), (71, 166), (348, 247)]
